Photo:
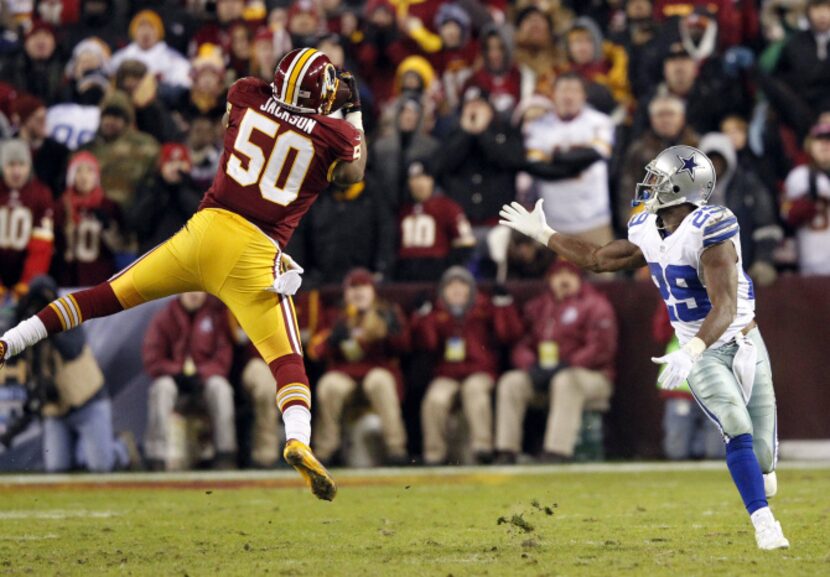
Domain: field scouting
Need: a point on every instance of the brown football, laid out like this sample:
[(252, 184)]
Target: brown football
[(342, 96)]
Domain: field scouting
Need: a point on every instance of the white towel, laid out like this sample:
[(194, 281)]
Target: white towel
[(289, 281)]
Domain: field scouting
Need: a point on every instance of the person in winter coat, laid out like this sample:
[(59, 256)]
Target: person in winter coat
[(346, 228), (406, 142), (37, 69), (806, 206), (89, 227), (361, 347), (100, 18), (152, 116), (49, 156), (567, 355), (667, 127), (166, 200), (126, 155), (148, 46), (465, 329), (746, 196), (478, 161), (498, 76), (188, 351), (26, 247)]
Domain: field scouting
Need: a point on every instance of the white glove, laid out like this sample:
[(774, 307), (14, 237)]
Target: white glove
[(679, 364), (288, 282), (532, 224)]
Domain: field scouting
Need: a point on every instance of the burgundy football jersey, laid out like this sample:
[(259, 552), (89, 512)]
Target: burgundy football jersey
[(427, 229), (25, 214), (83, 248), (275, 162)]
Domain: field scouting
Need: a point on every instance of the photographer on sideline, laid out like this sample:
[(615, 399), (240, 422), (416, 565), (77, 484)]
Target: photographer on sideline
[(66, 390)]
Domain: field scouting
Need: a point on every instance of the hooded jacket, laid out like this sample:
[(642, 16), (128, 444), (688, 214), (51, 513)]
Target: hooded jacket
[(504, 86), (609, 66), (467, 341), (743, 193)]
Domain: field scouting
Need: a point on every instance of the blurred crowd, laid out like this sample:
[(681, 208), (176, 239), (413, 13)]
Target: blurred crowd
[(110, 119)]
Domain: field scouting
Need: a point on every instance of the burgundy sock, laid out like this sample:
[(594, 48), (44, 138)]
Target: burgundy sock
[(70, 311)]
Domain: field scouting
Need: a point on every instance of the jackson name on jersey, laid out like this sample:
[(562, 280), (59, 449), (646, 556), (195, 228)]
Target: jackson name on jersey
[(674, 263)]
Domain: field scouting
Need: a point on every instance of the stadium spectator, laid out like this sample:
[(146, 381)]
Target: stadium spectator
[(304, 22), (239, 50), (49, 156), (37, 69), (151, 115), (205, 145), (465, 330), (126, 154), (573, 135), (361, 346), (188, 352), (26, 211), (90, 57), (687, 432), (600, 62), (264, 55), (217, 32), (536, 52), (328, 250), (736, 19), (165, 201), (454, 60), (89, 227), (497, 74), (667, 127), (433, 231), (101, 19), (639, 40), (742, 192), (207, 94), (806, 205), (148, 46), (566, 357), (77, 413), (379, 49), (406, 142)]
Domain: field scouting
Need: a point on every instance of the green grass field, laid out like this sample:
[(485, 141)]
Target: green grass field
[(552, 521)]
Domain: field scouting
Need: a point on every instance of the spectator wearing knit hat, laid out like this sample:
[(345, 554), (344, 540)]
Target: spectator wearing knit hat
[(26, 248), (206, 96), (37, 69), (566, 357), (88, 227), (166, 200), (361, 346), (49, 156), (148, 46), (305, 22), (126, 155)]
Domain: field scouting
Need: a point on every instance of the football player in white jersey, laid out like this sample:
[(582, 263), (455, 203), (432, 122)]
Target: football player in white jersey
[(694, 254)]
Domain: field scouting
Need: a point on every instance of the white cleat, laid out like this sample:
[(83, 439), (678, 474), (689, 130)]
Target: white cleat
[(771, 536), (770, 484)]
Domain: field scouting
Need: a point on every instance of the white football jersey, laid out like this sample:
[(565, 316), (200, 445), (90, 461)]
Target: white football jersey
[(674, 262)]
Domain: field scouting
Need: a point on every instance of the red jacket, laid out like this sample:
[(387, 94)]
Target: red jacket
[(483, 330), (584, 328), (174, 335), (384, 353)]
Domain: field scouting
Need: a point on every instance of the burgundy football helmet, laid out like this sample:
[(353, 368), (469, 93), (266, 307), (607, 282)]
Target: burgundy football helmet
[(306, 81)]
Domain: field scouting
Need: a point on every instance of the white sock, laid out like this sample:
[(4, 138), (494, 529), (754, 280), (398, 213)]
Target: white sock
[(24, 335), (763, 517), (297, 420)]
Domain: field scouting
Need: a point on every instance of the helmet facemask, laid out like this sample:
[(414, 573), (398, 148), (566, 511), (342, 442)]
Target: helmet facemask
[(655, 191)]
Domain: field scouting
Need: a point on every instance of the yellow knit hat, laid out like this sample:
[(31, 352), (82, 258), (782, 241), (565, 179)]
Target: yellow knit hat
[(150, 17)]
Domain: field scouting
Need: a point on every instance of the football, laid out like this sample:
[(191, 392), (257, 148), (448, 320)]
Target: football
[(341, 97)]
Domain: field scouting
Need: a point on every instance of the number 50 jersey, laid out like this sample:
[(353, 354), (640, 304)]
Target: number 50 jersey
[(275, 162), (674, 263)]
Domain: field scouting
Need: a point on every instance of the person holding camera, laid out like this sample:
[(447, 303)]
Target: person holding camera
[(166, 200), (66, 390), (361, 346), (188, 351)]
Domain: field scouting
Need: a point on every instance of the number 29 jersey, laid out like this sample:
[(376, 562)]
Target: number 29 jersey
[(674, 263), (275, 163)]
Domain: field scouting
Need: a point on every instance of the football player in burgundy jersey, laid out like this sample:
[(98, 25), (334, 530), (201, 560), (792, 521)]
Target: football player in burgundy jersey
[(280, 151)]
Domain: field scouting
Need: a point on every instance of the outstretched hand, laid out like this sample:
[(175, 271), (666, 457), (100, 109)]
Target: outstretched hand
[(532, 224)]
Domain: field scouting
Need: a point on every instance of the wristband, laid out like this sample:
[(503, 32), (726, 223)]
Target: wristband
[(695, 347), (355, 119)]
